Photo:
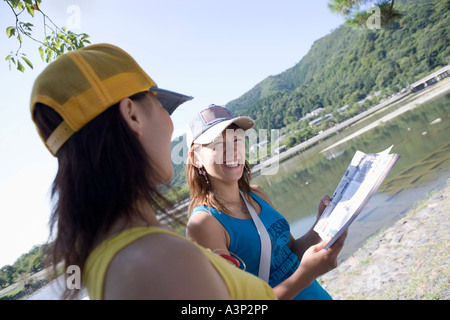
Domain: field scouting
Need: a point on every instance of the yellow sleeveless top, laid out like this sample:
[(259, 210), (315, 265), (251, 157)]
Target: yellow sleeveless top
[(241, 285)]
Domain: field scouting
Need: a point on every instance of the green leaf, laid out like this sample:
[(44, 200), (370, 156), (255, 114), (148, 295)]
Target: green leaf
[(48, 58), (28, 62), (41, 52), (30, 9), (10, 31), (26, 25), (15, 3), (20, 66)]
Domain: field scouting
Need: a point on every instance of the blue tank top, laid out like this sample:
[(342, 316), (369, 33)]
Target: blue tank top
[(246, 244)]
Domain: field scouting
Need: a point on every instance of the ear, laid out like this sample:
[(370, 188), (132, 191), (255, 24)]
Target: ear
[(194, 157), (130, 113)]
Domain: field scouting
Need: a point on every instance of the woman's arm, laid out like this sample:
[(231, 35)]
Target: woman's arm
[(315, 262), (205, 230)]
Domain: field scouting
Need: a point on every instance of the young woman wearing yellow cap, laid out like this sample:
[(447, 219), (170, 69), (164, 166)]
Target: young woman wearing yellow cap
[(109, 126)]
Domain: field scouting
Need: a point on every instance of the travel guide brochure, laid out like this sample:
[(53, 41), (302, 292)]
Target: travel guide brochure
[(361, 180)]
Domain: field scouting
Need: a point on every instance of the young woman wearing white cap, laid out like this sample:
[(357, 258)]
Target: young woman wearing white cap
[(228, 215), (109, 126)]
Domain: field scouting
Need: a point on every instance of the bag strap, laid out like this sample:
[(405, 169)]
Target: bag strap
[(266, 244)]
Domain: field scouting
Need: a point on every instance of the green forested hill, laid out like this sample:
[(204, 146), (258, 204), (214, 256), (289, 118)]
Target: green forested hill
[(352, 62), (344, 67)]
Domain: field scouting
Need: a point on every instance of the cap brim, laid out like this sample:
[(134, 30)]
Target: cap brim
[(212, 133), (170, 100)]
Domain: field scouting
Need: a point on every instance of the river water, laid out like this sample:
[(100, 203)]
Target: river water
[(420, 136)]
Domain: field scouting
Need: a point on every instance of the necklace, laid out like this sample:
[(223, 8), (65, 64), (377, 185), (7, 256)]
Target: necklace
[(244, 209), (243, 206)]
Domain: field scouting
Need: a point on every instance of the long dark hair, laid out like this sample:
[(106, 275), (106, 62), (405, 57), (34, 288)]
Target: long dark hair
[(103, 172)]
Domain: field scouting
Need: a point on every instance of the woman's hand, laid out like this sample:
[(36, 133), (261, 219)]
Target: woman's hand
[(300, 245), (316, 261)]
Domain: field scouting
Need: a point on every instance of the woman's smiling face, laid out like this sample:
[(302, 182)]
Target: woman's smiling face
[(224, 158)]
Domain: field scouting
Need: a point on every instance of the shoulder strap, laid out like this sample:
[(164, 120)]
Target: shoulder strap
[(266, 244)]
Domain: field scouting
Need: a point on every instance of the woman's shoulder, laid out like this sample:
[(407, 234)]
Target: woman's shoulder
[(206, 229), (203, 208), (158, 247), (259, 191), (143, 269), (151, 252)]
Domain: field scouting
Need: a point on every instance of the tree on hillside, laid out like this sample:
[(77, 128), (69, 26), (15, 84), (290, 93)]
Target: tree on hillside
[(374, 14), (6, 275), (54, 41)]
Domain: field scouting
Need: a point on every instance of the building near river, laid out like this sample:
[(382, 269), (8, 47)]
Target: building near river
[(431, 79)]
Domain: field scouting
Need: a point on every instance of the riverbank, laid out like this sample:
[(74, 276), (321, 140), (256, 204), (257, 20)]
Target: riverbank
[(409, 260), (411, 102), (410, 99)]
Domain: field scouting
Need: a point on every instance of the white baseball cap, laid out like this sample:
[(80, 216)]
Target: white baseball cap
[(209, 123)]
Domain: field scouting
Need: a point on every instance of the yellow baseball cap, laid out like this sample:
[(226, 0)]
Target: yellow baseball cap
[(82, 84)]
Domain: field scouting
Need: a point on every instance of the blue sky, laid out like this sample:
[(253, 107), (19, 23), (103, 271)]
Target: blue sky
[(213, 50)]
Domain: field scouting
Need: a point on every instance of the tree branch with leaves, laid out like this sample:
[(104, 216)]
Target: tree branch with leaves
[(56, 40), (357, 12)]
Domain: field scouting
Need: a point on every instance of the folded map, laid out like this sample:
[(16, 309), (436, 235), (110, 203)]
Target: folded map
[(361, 180)]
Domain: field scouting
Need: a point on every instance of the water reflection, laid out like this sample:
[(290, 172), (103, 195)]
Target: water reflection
[(417, 135)]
